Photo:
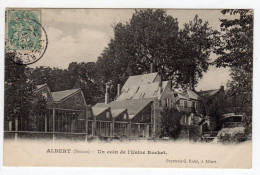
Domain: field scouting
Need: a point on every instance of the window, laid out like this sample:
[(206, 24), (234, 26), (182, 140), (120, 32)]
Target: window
[(107, 114), (171, 102), (185, 104), (193, 104), (141, 117), (44, 94), (125, 116), (164, 102), (167, 102)]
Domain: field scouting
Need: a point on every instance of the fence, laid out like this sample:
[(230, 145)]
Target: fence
[(57, 123)]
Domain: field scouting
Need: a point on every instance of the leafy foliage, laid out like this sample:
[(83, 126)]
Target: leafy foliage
[(236, 48), (214, 106), (236, 52), (152, 36), (78, 75), (20, 99), (232, 138), (170, 123), (84, 76), (197, 41)]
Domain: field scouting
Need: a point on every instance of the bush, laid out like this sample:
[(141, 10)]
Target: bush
[(170, 123), (232, 135)]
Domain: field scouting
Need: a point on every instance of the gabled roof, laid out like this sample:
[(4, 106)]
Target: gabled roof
[(133, 106), (187, 95), (208, 93), (40, 86), (182, 95), (117, 112), (192, 95), (138, 80), (227, 115), (141, 91), (98, 110), (60, 95)]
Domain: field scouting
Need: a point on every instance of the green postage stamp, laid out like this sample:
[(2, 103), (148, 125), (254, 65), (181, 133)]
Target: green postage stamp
[(25, 35)]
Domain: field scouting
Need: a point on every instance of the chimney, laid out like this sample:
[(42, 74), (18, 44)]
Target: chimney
[(151, 68), (118, 89), (106, 95)]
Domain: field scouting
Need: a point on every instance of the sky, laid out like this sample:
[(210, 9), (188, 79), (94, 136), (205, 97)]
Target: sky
[(80, 35)]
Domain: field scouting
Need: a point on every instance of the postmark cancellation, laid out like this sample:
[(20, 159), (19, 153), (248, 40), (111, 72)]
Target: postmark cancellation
[(25, 35)]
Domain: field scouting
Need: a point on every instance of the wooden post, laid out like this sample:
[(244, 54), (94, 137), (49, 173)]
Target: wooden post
[(147, 130), (125, 128), (107, 129), (86, 123), (94, 126), (189, 119), (10, 125), (113, 127), (45, 123), (53, 124), (200, 130), (154, 113), (139, 129), (100, 128), (16, 129), (129, 128)]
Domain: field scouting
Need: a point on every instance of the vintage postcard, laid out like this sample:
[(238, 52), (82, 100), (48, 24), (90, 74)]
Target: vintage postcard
[(153, 88)]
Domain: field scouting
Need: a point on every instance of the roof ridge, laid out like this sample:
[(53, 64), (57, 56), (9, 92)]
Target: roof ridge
[(63, 96), (143, 74), (67, 90), (41, 85), (210, 90)]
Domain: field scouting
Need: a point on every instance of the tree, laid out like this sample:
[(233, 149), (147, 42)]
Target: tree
[(236, 51), (147, 38), (236, 48), (152, 36), (170, 123), (83, 76), (56, 79), (197, 41), (20, 99), (16, 89), (214, 106), (78, 75)]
